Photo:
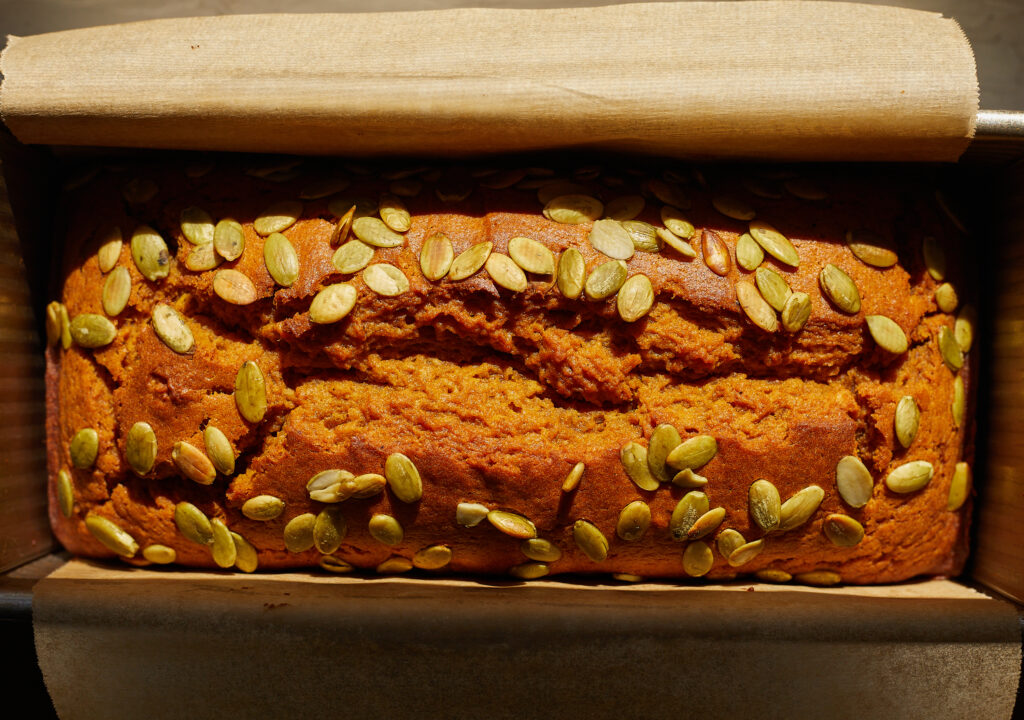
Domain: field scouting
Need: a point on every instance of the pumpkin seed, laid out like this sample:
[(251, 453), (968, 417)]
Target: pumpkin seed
[(706, 523), (573, 209), (635, 298), (934, 257), (634, 519), (798, 509), (342, 227), (765, 505), (756, 307), (85, 446), (963, 328), (697, 559), (196, 225), (406, 187), (394, 213), (644, 235), (745, 553), (324, 187), (773, 287), (246, 557), (229, 239), (909, 477), (716, 253), (907, 420), (469, 261), (959, 405), (403, 478), (853, 481), (748, 253), (329, 530), (193, 523), (687, 511), (116, 291), (332, 303), (762, 188), (335, 564), (805, 189), (774, 243), (528, 571), (453, 188), (223, 549), (687, 478), (797, 312), (505, 273), (394, 565), (203, 257), (669, 193), (952, 355), (628, 577), (263, 507), (572, 273), (278, 217), (634, 459), (139, 190), (839, 288), (503, 179), (386, 529), (610, 238), (664, 439), (871, 248), (113, 537), (92, 331), (822, 578), (56, 320), (470, 514), (140, 448), (364, 486), (676, 243), (625, 207), (887, 334), (590, 540), (772, 575), (234, 287), (251, 392), (298, 533), (386, 280), (436, 256), (733, 207), (843, 530), (65, 493), (728, 541), (531, 256), (170, 327), (352, 257), (674, 221), (159, 554), (373, 231), (605, 280), (693, 453), (326, 486), (572, 480), (219, 450), (512, 524), (109, 253), (281, 259), (342, 206), (432, 557), (540, 550), (959, 487)]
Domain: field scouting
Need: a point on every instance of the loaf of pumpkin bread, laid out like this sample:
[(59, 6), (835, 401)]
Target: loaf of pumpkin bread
[(645, 372)]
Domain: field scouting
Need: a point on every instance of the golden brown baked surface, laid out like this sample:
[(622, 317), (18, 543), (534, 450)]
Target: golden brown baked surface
[(495, 394)]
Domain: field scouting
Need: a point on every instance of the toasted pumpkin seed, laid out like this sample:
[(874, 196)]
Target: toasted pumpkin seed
[(628, 577), (65, 493), (693, 453), (386, 280), (963, 328), (945, 298), (92, 331), (324, 187), (572, 273), (329, 530), (468, 262), (706, 523), (689, 508), (634, 519), (907, 420), (799, 507), (797, 312), (234, 287), (352, 257), (343, 227), (843, 530), (635, 298), (109, 252), (625, 207), (572, 480), (756, 307), (590, 540), (116, 291), (687, 478), (394, 213), (373, 231), (326, 486), (405, 187), (805, 189), (821, 578), (672, 218), (278, 217), (664, 439), (436, 256), (765, 505), (669, 193), (959, 404), (113, 537), (540, 550), (364, 486), (952, 355), (470, 514), (762, 188), (716, 253), (733, 207), (749, 254), (531, 256), (229, 239), (159, 554), (840, 289), (196, 225), (871, 248), (745, 553), (934, 257), (909, 477), (853, 481), (394, 565), (432, 557), (386, 529), (203, 257), (246, 557), (574, 209), (773, 287), (772, 575), (139, 190), (219, 450), (512, 524), (223, 548), (528, 571), (330, 563), (56, 318), (676, 243), (502, 179), (192, 463), (959, 487), (251, 392), (698, 559), (171, 328), (85, 446), (887, 334), (341, 206), (644, 235), (281, 259), (634, 459), (193, 523), (610, 238), (728, 541), (774, 243), (605, 280), (505, 273), (298, 533), (552, 189), (403, 478), (332, 303), (263, 507), (140, 448)]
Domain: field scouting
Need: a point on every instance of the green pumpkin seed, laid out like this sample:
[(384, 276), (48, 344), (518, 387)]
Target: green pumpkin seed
[(952, 355), (690, 507), (298, 533), (697, 559), (332, 303), (196, 225), (635, 298), (329, 530), (374, 231), (628, 577), (572, 273), (854, 481), (625, 207), (590, 540), (113, 537), (193, 464), (263, 507), (762, 188), (116, 290), (773, 287), (934, 258), (109, 253), (774, 243), (386, 280), (281, 259), (797, 312), (749, 254), (572, 480), (505, 273), (432, 557), (756, 307), (356, 207), (946, 298), (529, 571), (326, 486), (728, 541), (773, 576), (246, 557), (664, 439), (470, 261), (364, 486), (798, 509), (573, 209), (278, 217), (171, 328), (716, 253), (65, 493), (959, 405), (706, 523), (610, 238), (223, 548), (676, 243), (694, 453), (470, 514), (159, 554), (251, 392), (840, 289), (959, 487), (85, 446), (229, 239), (733, 207), (403, 478), (193, 524), (634, 459), (843, 530), (56, 319), (394, 213), (820, 578), (765, 505), (687, 478), (502, 179), (324, 187), (531, 256), (335, 564), (669, 193), (871, 248), (386, 529), (745, 553), (436, 256), (887, 334), (634, 519), (512, 524), (605, 280), (394, 565), (963, 328), (673, 220), (150, 253), (342, 227), (202, 258), (644, 235), (540, 550), (909, 477), (139, 190), (219, 450), (406, 187), (92, 331), (453, 188), (140, 448), (352, 257), (234, 287), (907, 420), (805, 189)]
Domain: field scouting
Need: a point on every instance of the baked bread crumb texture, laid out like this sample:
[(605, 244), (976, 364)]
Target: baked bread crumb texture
[(644, 372)]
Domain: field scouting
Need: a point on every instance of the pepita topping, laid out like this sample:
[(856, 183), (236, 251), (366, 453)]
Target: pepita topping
[(698, 559), (470, 514), (278, 217), (332, 303), (281, 259), (959, 487), (959, 404), (693, 453), (950, 350), (223, 548), (774, 243), (234, 287), (664, 439), (85, 446), (871, 248), (111, 535), (219, 450), (634, 459), (432, 557), (634, 519), (909, 477), (756, 307), (946, 298), (229, 239), (541, 550), (469, 262), (887, 334), (746, 552), (796, 312), (749, 254), (116, 290), (798, 509), (728, 541), (196, 225), (644, 236), (676, 243), (572, 273), (716, 253), (610, 238), (329, 530), (140, 448), (202, 258), (706, 523), (436, 256), (531, 256), (394, 565), (635, 298), (840, 289), (773, 287), (150, 253), (373, 231), (934, 258), (590, 540), (352, 257), (963, 328), (394, 213), (821, 578), (263, 507), (907, 420), (843, 530), (765, 505), (573, 209), (529, 571), (65, 493), (386, 529), (572, 480), (854, 481), (298, 533), (251, 392), (170, 326), (512, 524), (159, 554), (505, 273), (625, 207), (246, 557), (733, 207), (92, 331), (674, 221), (193, 524), (109, 252), (386, 280), (192, 463), (605, 280), (403, 478), (689, 508)]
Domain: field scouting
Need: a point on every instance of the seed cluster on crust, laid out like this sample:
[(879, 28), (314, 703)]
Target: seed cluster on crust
[(625, 216)]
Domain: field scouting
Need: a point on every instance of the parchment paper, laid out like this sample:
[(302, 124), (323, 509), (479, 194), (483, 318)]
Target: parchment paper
[(774, 79)]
